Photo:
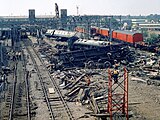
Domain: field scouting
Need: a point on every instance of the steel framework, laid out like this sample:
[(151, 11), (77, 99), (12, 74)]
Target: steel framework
[(118, 97)]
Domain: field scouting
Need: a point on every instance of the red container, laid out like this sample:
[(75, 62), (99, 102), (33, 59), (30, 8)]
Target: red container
[(127, 36), (104, 31)]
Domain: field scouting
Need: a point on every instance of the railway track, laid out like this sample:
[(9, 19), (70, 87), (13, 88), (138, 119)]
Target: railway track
[(17, 105), (57, 106)]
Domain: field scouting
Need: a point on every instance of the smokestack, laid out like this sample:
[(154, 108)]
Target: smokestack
[(57, 10)]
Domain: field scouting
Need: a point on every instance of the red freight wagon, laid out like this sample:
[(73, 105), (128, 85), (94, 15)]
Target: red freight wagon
[(127, 36), (104, 31)]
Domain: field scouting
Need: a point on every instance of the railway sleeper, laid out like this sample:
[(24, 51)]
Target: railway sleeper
[(18, 105), (19, 100), (7, 105), (56, 104), (8, 99), (59, 116), (9, 96), (52, 100), (5, 116), (10, 88), (58, 107), (19, 114), (19, 95)]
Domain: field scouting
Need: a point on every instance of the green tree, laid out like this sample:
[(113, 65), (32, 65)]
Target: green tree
[(145, 33), (153, 36), (115, 24), (152, 39)]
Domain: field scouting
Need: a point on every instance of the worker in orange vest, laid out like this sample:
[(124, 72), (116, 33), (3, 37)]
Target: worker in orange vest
[(115, 74)]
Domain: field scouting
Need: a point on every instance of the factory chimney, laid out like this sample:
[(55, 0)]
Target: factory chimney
[(57, 10)]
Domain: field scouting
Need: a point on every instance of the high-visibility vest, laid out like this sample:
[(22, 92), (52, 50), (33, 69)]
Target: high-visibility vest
[(115, 72)]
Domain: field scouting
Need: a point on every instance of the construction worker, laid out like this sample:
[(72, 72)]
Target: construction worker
[(115, 74), (87, 79)]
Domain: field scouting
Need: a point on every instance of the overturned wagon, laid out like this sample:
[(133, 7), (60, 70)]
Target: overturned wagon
[(99, 57)]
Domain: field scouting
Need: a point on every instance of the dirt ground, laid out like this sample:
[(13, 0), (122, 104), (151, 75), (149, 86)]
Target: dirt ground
[(144, 100)]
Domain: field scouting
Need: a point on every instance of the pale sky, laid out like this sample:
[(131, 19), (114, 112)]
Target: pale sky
[(88, 7)]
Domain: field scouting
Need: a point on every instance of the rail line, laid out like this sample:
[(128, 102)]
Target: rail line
[(57, 89), (18, 100), (13, 94), (27, 89), (56, 104)]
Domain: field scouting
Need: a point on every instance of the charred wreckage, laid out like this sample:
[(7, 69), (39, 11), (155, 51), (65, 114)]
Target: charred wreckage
[(90, 54)]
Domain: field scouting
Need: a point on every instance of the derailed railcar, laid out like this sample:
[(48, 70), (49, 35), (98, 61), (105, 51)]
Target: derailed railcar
[(97, 56), (60, 35), (88, 44)]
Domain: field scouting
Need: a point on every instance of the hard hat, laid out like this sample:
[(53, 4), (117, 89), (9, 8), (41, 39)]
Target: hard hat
[(115, 60)]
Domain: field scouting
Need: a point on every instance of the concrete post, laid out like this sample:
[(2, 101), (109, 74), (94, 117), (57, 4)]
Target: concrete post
[(1, 59), (110, 29)]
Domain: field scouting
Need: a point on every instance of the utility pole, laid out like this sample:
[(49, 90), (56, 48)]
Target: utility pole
[(1, 60), (110, 29), (77, 10), (88, 22), (120, 17)]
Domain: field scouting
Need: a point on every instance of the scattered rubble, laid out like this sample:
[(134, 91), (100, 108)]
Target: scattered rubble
[(85, 87), (88, 86)]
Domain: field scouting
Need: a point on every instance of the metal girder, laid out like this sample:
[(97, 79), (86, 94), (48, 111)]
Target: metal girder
[(118, 97)]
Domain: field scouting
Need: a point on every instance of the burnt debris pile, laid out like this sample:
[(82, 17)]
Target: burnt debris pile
[(85, 87)]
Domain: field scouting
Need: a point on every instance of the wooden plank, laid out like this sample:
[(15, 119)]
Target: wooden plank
[(51, 90)]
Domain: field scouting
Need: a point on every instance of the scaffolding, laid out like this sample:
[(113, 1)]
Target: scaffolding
[(118, 96)]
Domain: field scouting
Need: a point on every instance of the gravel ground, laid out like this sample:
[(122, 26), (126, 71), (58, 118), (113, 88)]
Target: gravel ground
[(144, 101)]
